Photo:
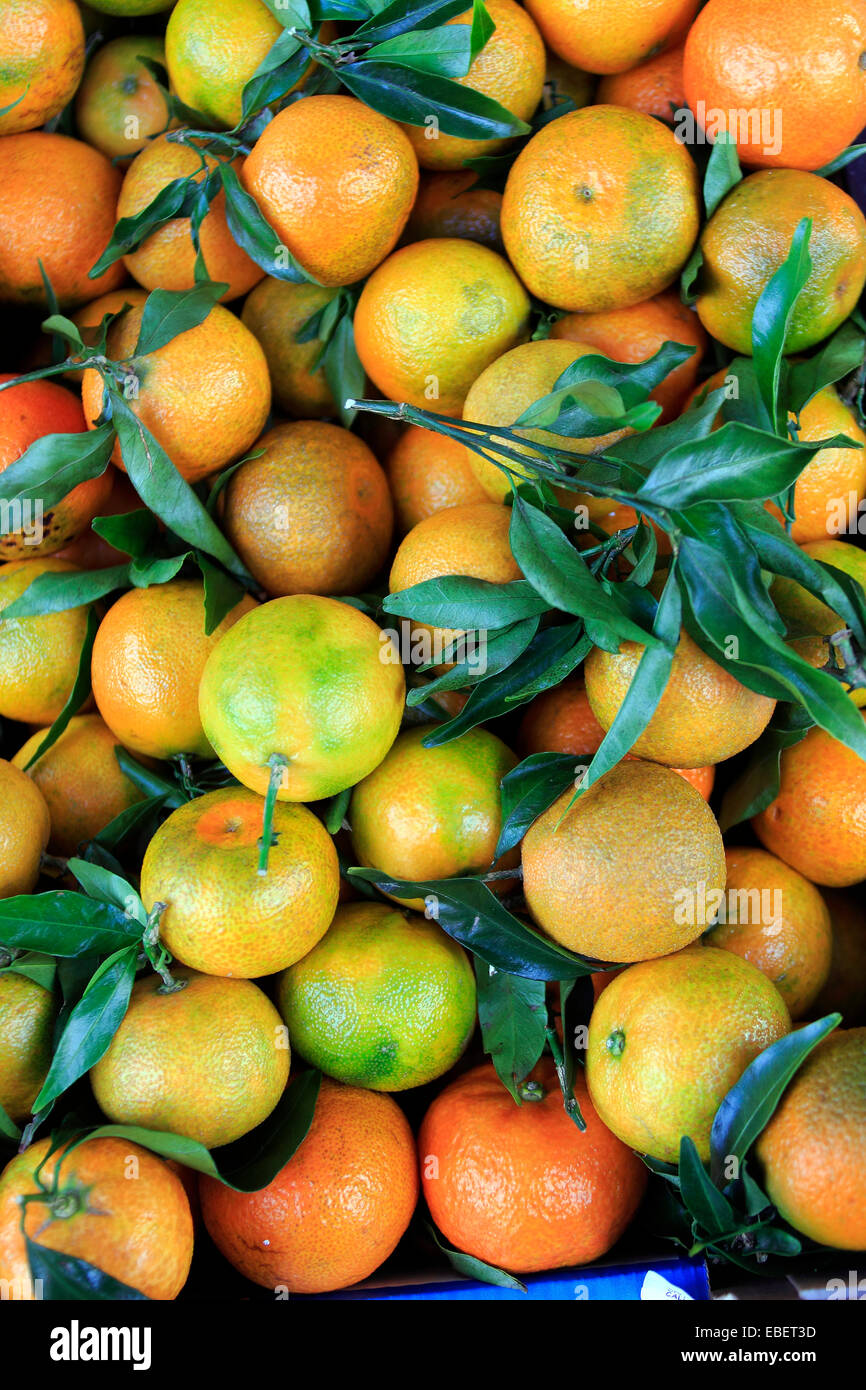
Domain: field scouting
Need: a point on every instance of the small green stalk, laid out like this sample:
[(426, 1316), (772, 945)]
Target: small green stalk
[(278, 763)]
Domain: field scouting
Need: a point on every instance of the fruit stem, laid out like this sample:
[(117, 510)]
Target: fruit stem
[(278, 763)]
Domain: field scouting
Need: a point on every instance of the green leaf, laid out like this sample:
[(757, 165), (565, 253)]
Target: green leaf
[(39, 968), (337, 808), (135, 533), (222, 593), (254, 234), (128, 820), (148, 781), (455, 601), (168, 313), (108, 888), (415, 97), (759, 782), (401, 16), (472, 1268), (513, 1015), (528, 790), (90, 1026), (77, 695), (8, 1128), (54, 593), (446, 51), (278, 72), (771, 319), (66, 1279), (341, 364), (689, 274), (292, 14), (710, 1208), (52, 466), (841, 161), (626, 387), (65, 924), (500, 649), (723, 171), (176, 199), (840, 355)]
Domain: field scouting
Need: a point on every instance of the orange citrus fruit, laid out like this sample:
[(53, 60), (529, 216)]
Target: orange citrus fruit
[(212, 52), (428, 472), (831, 487), (27, 1013), (655, 86), (39, 655), (845, 989), (41, 60), (88, 320), (564, 80), (606, 38), (276, 312), (809, 619), (450, 204), (119, 107)]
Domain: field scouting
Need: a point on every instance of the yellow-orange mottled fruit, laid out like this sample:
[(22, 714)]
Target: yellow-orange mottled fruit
[(221, 916), (41, 60), (213, 50), (27, 1013), (88, 319), (451, 204), (828, 492), (336, 1210), (813, 1151), (428, 472), (276, 312), (119, 106), (669, 1038), (600, 209), (811, 621), (626, 873), (655, 87), (845, 988), (39, 654), (611, 35), (148, 658), (336, 181), (209, 1061), (137, 1231)]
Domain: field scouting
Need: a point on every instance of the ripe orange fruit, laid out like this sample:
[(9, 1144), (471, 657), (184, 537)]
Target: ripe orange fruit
[(564, 80), (336, 1210), (509, 69), (802, 63), (812, 1150), (669, 1038), (309, 678), (90, 551), (221, 917), (148, 658), (109, 1202), (59, 200), (748, 238), (166, 259), (776, 919), (816, 822), (27, 1013), (313, 513), (655, 86), (209, 1062), (212, 53), (636, 333), (807, 615), (202, 418), (600, 209), (41, 60), (833, 484), (275, 312), (336, 181), (845, 988), (435, 315), (642, 838), (428, 472), (39, 655), (385, 1001), (450, 204), (89, 319), (704, 714), (81, 781), (119, 106), (519, 1185), (608, 38)]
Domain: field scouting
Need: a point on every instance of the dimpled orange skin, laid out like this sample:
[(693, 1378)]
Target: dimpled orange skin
[(817, 823), (520, 1186), (148, 658), (428, 473), (275, 312), (833, 474), (212, 52), (117, 87), (801, 61), (845, 989), (509, 69), (600, 39), (203, 419), (209, 1062), (654, 87), (336, 1210), (131, 1218), (433, 316), (41, 60), (313, 513), (38, 655), (669, 1038), (221, 916), (813, 1151), (336, 181), (703, 716), (59, 202), (27, 1013), (600, 209), (450, 205), (619, 879), (785, 931)]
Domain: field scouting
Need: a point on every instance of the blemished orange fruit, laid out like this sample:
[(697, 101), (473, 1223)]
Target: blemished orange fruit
[(845, 989), (307, 678), (39, 655), (810, 621), (81, 1201), (640, 837), (336, 181), (611, 36), (385, 1000), (509, 69), (223, 918), (800, 63), (703, 716), (520, 1186), (209, 1061), (276, 312), (428, 472), (27, 1012), (748, 238), (775, 918), (90, 551), (336, 1210), (313, 513), (833, 484), (119, 107), (203, 419), (28, 411), (636, 333), (59, 207), (655, 86), (41, 60), (813, 1153), (669, 1038), (600, 209), (450, 204), (816, 823), (433, 316), (166, 259), (81, 781), (148, 658)]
